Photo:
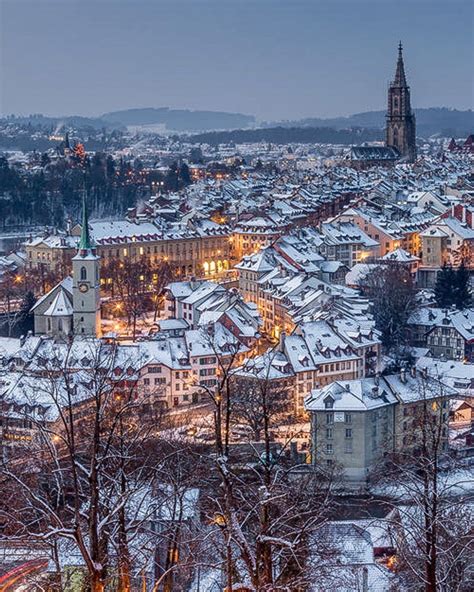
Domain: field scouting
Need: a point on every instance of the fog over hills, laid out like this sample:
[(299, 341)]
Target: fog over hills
[(431, 121)]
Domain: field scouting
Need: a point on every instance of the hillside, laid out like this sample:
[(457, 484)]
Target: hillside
[(435, 120), (180, 119), (283, 135)]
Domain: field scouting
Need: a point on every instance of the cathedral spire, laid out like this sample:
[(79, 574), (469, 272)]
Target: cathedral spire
[(400, 79), (85, 242), (401, 126)]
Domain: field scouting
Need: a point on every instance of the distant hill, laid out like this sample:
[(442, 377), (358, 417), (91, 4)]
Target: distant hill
[(75, 121), (435, 120), (180, 119), (285, 135)]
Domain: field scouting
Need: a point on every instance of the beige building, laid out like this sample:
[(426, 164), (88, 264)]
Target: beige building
[(355, 423), (205, 250)]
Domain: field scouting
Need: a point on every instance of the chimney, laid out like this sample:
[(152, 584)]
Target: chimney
[(413, 371), (403, 375), (281, 342), (377, 378)]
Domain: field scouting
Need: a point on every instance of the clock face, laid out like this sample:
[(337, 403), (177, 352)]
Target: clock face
[(83, 287)]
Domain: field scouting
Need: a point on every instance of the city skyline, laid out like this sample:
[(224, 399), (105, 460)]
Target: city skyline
[(90, 58)]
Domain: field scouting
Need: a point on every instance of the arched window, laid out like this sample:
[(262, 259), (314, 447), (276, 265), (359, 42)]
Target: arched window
[(206, 268), (83, 273)]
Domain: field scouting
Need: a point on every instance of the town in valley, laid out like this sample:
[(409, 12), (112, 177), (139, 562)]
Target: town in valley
[(238, 355)]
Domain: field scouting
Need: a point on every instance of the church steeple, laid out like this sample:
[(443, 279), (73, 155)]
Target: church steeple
[(86, 283), (401, 127), (85, 242), (400, 79)]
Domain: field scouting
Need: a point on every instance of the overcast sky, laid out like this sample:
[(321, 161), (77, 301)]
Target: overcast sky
[(275, 59)]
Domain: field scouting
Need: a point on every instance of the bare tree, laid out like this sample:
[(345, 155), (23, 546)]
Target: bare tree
[(392, 293), (131, 285), (87, 461), (428, 491), (264, 505), (11, 291), (163, 274)]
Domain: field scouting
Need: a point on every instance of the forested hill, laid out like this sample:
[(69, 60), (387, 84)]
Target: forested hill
[(283, 135), (435, 120), (180, 119)]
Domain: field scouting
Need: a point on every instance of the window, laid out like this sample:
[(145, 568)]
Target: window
[(329, 433), (154, 369), (206, 361), (329, 418), (146, 381), (348, 447), (83, 273), (348, 417), (329, 449), (175, 401), (328, 402), (348, 433)]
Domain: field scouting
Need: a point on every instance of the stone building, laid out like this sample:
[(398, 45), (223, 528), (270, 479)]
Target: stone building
[(72, 307), (401, 127)]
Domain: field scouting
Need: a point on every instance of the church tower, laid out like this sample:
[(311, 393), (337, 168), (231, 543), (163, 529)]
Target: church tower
[(86, 284), (400, 129)]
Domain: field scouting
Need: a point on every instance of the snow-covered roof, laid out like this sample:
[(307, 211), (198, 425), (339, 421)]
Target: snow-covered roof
[(60, 306)]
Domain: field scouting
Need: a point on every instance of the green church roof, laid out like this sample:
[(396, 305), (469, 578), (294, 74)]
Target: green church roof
[(85, 241)]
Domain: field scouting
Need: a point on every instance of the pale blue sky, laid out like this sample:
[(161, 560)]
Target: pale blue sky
[(271, 58)]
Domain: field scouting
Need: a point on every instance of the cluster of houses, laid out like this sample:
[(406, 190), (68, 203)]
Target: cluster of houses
[(205, 229), (267, 270)]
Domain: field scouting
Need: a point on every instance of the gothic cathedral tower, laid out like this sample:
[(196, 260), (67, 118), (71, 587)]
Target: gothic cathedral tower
[(86, 284), (400, 129)]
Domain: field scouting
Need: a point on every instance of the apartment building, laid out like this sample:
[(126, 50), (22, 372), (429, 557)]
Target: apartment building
[(355, 423)]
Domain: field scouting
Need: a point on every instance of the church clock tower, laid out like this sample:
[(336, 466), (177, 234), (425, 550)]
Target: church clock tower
[(401, 130), (86, 284)]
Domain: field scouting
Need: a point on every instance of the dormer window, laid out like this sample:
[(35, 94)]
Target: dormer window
[(328, 403)]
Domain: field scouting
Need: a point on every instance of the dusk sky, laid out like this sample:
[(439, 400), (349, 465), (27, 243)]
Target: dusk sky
[(275, 59)]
